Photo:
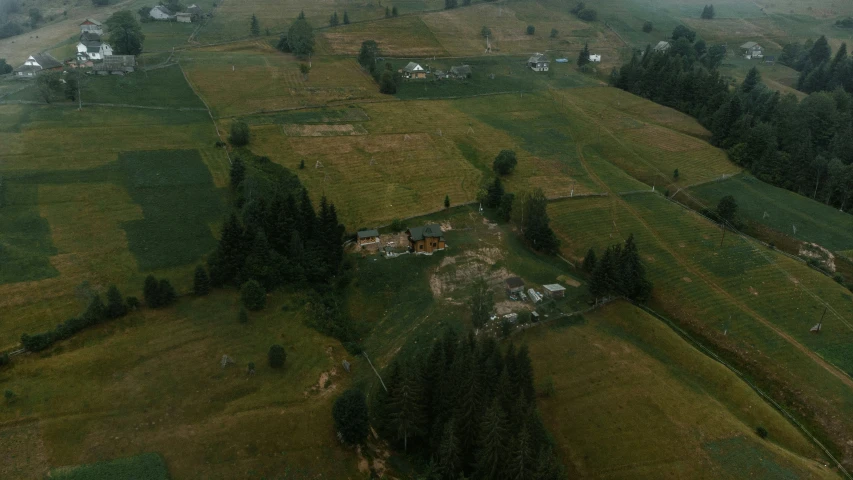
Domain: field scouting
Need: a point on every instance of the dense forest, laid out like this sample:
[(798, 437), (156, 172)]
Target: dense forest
[(819, 69), (805, 146), (469, 411)]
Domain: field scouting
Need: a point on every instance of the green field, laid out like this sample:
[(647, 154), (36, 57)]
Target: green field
[(148, 466), (654, 407), (782, 210)]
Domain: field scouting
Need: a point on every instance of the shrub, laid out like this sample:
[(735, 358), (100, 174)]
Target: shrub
[(505, 162), (761, 432), (547, 389), (351, 416), (239, 133), (132, 303), (588, 15), (5, 360), (554, 33), (648, 27), (253, 295), (115, 303), (531, 29), (397, 225), (9, 396), (276, 356), (201, 281)]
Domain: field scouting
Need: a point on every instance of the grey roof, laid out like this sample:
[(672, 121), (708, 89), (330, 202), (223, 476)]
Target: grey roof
[(662, 45), (411, 67), (195, 9), (749, 45), (183, 14), (514, 282), (163, 9), (91, 20), (432, 230), (116, 63), (46, 60), (368, 233), (538, 58), (554, 287), (28, 68), (461, 70), (90, 37)]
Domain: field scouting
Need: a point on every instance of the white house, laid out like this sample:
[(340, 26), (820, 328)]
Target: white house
[(93, 50), (91, 26), (413, 70), (161, 13), (662, 46), (35, 64), (184, 17), (538, 63), (595, 58), (752, 50)]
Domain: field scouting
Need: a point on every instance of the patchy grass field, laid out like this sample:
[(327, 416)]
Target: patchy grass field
[(753, 302), (400, 36), (654, 407), (148, 466), (100, 397), (90, 204), (782, 210), (250, 77)]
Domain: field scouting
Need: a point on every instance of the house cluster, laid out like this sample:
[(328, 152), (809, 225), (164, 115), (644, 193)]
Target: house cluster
[(415, 71), (752, 50), (92, 52), (193, 14), (515, 291), (422, 240)]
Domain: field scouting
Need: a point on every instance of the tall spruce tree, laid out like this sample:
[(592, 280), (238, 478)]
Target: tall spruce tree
[(495, 193), (537, 230), (227, 260), (449, 461), (492, 446), (201, 282), (589, 261), (407, 411), (115, 303)]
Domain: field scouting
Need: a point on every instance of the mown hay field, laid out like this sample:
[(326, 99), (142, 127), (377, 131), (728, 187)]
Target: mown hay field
[(399, 36), (100, 396), (249, 77), (632, 399), (101, 197), (782, 210), (749, 299)]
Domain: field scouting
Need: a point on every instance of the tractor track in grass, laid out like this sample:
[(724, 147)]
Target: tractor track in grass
[(829, 367)]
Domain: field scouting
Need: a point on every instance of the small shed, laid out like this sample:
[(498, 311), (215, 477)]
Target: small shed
[(595, 58), (115, 64), (184, 17), (555, 290), (534, 316), (770, 60), (368, 237), (662, 46), (514, 285)]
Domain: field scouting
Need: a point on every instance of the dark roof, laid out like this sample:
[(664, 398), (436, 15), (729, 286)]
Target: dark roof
[(461, 70), (90, 37), (538, 58), (432, 230), (514, 282), (368, 233), (46, 60), (163, 9), (749, 45)]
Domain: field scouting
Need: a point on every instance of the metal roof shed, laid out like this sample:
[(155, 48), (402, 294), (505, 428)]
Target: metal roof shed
[(555, 290)]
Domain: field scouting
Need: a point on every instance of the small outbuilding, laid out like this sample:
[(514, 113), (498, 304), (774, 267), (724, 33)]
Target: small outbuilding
[(662, 46), (184, 17), (555, 290), (595, 58), (91, 25), (368, 237), (538, 62), (161, 13), (115, 64), (514, 285), (426, 239)]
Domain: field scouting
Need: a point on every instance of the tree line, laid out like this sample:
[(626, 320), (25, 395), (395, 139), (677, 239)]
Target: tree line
[(804, 146), (619, 272), (385, 76), (468, 410), (819, 69)]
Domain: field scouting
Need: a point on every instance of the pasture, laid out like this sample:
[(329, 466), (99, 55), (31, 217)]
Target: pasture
[(99, 396), (148, 466), (753, 302), (782, 210), (655, 407), (97, 197)]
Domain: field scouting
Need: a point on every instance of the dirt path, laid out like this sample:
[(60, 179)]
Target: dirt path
[(832, 369)]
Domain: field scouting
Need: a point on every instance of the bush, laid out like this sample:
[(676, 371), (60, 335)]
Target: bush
[(239, 133), (547, 389), (648, 27), (5, 360), (505, 162), (531, 29), (761, 432), (201, 282), (588, 15), (397, 225), (554, 33), (276, 356), (9, 396), (116, 306), (253, 295), (351, 416), (158, 293), (132, 303)]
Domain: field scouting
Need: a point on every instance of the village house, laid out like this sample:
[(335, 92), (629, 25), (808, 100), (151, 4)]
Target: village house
[(184, 17), (555, 290), (368, 237), (426, 239), (752, 50), (413, 70), (91, 26), (115, 64), (514, 286), (35, 64), (595, 58), (90, 47), (538, 63), (662, 46), (462, 71), (161, 13)]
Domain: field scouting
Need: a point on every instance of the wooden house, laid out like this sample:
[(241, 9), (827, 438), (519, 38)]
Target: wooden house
[(115, 64), (184, 17), (161, 13), (426, 239), (461, 71)]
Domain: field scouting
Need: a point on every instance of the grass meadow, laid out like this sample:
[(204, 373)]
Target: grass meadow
[(782, 210), (632, 399)]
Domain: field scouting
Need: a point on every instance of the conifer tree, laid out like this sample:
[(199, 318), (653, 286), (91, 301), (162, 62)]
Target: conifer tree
[(227, 259), (394, 11), (583, 56), (547, 466), (201, 282), (492, 451), (524, 374), (346, 18), (238, 172), (449, 461), (96, 311), (537, 230), (520, 463), (495, 193), (255, 26), (387, 12), (115, 303), (166, 292), (589, 261), (333, 20), (151, 292), (635, 285), (752, 80)]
